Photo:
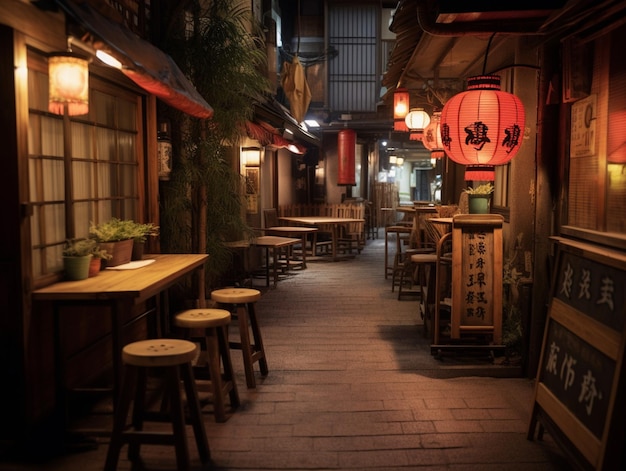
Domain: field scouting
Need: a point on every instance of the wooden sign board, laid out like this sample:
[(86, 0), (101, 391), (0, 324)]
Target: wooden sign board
[(477, 279), (579, 393)]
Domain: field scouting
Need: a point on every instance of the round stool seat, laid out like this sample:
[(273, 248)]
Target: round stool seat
[(159, 352), (236, 295), (424, 258), (202, 318)]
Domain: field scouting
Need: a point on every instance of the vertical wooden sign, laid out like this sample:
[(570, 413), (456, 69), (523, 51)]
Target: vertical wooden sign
[(477, 275), (579, 393)]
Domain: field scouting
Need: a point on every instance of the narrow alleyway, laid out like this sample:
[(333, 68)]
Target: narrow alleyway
[(352, 385)]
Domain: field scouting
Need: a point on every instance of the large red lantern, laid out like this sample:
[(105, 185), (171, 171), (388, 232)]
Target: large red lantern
[(400, 109), (432, 137), (483, 125), (346, 148)]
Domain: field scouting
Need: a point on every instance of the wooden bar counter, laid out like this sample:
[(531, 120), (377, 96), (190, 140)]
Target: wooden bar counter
[(120, 290)]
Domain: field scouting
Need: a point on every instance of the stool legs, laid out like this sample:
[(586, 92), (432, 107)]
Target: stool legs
[(137, 377), (217, 347), (195, 412), (252, 349)]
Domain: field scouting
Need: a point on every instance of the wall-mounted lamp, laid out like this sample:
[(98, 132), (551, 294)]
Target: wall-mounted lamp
[(68, 83), (399, 162), (108, 59), (251, 156)]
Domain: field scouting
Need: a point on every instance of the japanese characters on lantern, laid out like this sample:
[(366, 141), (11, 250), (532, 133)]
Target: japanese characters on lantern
[(483, 125)]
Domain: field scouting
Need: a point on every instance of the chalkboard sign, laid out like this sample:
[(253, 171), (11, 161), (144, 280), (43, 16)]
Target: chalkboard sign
[(477, 280), (579, 382)]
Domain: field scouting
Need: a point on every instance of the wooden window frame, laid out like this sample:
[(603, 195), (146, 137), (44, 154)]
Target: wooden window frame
[(46, 239)]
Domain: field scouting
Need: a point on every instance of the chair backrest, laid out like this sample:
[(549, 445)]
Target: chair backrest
[(270, 217)]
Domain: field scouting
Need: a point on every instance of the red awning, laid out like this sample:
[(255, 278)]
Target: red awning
[(146, 65), (270, 137)]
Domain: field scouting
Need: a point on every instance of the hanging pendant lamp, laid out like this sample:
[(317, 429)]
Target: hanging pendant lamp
[(482, 125), (416, 120), (68, 83), (346, 148), (400, 109), (432, 137)]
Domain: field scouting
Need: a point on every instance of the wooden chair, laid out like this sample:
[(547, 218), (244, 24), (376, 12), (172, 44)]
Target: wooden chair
[(270, 218)]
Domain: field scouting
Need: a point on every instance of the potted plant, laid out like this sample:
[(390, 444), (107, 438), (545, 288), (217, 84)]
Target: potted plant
[(98, 256), (140, 232), (479, 198), (116, 237), (77, 254)]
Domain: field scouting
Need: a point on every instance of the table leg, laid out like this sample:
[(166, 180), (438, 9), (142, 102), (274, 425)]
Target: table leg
[(267, 266), (304, 250)]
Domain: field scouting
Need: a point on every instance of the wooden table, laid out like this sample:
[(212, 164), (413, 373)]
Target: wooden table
[(120, 290), (294, 231), (274, 243), (318, 221)]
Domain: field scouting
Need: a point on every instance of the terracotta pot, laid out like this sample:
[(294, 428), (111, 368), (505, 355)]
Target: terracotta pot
[(95, 265)]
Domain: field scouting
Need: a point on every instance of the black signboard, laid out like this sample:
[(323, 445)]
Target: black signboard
[(580, 383)]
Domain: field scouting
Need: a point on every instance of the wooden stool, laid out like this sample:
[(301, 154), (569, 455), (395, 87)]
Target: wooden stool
[(402, 233), (173, 357), (215, 324), (426, 264), (243, 300)]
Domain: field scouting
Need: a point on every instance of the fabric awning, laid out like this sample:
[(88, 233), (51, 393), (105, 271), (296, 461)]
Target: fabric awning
[(142, 62), (270, 137)]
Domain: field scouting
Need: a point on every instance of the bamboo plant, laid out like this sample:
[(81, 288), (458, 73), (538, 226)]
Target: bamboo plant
[(202, 204)]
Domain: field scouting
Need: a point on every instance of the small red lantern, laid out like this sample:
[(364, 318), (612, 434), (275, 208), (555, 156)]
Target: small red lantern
[(432, 137), (346, 148), (480, 173), (482, 125), (400, 109)]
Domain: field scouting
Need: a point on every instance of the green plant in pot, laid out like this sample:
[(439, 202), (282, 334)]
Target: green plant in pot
[(98, 256), (116, 237), (141, 232), (479, 198), (77, 254)]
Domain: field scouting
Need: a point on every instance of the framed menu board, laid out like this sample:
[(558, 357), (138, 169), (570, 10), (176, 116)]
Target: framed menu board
[(477, 279), (579, 391)]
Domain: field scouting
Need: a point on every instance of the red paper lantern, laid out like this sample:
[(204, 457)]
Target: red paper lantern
[(482, 125), (400, 109), (346, 148), (432, 137), (480, 173)]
